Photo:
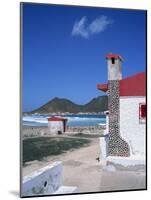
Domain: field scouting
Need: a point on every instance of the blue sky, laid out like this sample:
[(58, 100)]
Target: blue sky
[(64, 50)]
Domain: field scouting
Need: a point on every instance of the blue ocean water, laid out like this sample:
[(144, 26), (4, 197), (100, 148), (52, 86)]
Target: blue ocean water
[(73, 120)]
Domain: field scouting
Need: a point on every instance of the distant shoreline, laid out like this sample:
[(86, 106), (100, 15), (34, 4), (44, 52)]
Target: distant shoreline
[(89, 113)]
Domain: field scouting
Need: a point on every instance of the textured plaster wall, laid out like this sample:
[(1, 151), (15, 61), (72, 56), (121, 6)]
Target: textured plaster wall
[(55, 126), (131, 129), (114, 70)]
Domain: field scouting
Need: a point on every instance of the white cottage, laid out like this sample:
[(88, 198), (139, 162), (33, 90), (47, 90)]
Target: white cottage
[(57, 125), (127, 109)]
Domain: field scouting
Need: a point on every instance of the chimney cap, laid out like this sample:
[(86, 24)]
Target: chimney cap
[(116, 56)]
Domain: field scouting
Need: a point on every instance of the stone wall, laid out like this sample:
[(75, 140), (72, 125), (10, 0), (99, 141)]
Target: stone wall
[(116, 145)]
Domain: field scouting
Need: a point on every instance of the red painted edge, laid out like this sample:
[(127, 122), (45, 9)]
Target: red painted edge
[(116, 56), (56, 119)]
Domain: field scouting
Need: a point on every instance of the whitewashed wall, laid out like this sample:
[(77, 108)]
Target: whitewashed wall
[(55, 126), (131, 129), (46, 181), (43, 181)]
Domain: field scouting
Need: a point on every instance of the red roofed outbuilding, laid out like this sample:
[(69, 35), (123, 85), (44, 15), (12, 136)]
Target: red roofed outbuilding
[(57, 124)]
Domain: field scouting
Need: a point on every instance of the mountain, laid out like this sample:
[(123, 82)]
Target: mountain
[(97, 104), (56, 105)]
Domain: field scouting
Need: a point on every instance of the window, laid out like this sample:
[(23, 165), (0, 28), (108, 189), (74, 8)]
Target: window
[(142, 112), (113, 60)]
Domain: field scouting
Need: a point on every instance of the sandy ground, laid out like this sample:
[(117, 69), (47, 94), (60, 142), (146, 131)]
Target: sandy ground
[(82, 169)]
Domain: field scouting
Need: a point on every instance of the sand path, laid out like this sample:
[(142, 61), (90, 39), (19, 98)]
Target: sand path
[(81, 169)]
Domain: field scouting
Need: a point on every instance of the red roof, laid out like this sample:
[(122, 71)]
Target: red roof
[(131, 86), (103, 87), (56, 119), (116, 56)]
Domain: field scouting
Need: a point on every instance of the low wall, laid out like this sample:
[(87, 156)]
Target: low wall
[(44, 131), (34, 131), (103, 148), (85, 129), (44, 181)]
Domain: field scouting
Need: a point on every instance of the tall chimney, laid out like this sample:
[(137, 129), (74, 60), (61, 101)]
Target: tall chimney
[(116, 145), (114, 63)]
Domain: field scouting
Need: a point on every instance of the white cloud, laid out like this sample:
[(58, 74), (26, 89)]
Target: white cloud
[(80, 28), (99, 24), (85, 30)]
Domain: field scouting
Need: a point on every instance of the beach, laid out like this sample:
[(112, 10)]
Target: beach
[(81, 167)]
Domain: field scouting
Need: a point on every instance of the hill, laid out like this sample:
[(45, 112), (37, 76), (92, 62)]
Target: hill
[(56, 105)]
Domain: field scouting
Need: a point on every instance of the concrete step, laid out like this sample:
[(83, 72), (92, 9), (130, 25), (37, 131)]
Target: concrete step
[(66, 190)]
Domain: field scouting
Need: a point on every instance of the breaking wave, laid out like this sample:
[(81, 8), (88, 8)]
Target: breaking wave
[(73, 120)]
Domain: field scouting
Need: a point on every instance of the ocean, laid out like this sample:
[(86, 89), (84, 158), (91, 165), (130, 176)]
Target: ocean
[(73, 120)]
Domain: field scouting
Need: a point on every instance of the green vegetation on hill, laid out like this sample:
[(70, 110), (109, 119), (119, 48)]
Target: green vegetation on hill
[(98, 104)]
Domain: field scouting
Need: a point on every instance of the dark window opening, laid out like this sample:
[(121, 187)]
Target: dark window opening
[(113, 60), (142, 112)]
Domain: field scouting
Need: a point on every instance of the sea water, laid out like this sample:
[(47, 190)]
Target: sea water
[(72, 120)]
